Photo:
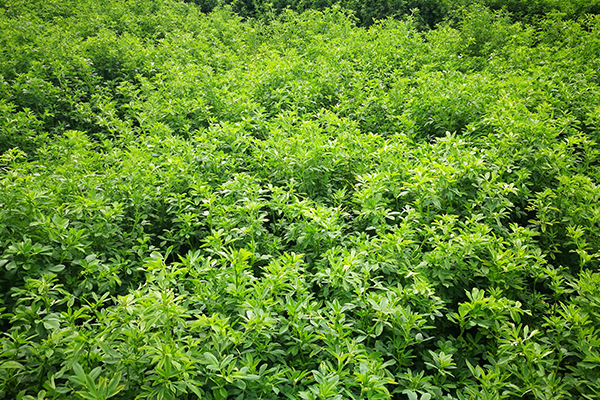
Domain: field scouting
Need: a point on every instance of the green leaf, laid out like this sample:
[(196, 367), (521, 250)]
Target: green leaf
[(79, 377), (56, 268), (223, 392), (95, 373), (91, 386), (51, 322), (226, 361), (12, 365), (87, 395), (240, 384), (378, 329), (195, 389), (113, 386), (211, 359)]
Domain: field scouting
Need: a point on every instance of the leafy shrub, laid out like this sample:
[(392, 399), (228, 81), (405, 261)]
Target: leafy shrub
[(196, 205)]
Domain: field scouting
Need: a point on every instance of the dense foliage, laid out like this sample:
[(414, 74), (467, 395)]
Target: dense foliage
[(196, 205), (427, 12)]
